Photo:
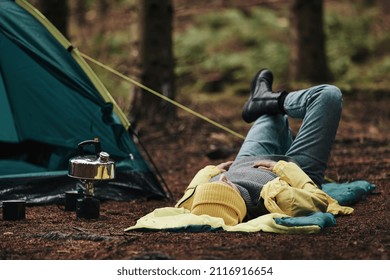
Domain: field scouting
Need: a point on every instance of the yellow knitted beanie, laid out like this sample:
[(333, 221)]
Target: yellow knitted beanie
[(219, 200)]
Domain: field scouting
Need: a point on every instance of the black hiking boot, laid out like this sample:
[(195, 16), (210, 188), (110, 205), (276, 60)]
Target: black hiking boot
[(262, 100)]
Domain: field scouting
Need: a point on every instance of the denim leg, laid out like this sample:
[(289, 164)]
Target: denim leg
[(269, 135), (320, 108)]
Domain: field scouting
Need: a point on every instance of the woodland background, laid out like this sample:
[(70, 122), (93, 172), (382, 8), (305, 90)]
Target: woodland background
[(184, 48), (210, 53)]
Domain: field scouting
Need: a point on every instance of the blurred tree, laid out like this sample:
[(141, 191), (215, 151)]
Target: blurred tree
[(308, 55), (56, 12), (103, 7), (81, 10), (155, 60)]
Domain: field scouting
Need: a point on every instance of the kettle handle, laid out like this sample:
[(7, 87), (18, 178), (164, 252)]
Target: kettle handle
[(95, 142)]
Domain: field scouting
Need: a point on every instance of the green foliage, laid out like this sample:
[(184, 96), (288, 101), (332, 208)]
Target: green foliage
[(348, 41), (231, 46), (228, 47), (358, 56)]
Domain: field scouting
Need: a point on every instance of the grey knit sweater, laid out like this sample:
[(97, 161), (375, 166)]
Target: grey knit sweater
[(249, 181)]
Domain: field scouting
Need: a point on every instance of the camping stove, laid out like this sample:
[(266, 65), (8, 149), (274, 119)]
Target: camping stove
[(89, 169)]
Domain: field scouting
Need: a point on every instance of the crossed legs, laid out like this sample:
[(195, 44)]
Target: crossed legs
[(320, 109)]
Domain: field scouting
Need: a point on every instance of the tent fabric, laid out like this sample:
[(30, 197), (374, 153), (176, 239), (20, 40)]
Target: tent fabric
[(50, 100)]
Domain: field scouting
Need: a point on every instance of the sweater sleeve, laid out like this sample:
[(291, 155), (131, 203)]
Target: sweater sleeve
[(203, 176), (295, 194), (292, 174)]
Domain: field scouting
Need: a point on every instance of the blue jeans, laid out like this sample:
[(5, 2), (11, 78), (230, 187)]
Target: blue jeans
[(320, 109)]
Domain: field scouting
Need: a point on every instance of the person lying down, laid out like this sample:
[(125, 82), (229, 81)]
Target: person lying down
[(273, 172)]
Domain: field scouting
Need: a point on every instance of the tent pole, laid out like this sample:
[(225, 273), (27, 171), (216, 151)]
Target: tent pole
[(157, 171)]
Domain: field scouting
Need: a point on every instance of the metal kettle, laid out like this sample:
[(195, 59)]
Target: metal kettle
[(91, 167)]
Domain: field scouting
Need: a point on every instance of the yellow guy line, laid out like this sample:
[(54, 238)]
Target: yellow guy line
[(161, 96)]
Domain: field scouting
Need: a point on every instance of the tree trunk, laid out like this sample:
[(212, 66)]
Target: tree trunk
[(308, 56), (81, 11), (56, 12), (156, 61)]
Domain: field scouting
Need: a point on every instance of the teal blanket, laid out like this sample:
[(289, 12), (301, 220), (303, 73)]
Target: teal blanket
[(348, 194)]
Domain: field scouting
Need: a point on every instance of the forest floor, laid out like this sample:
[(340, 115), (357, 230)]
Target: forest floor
[(361, 151)]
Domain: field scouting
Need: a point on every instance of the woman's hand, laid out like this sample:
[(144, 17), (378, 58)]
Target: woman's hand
[(224, 166), (264, 164)]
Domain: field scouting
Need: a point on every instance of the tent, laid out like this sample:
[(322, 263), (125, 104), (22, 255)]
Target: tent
[(51, 100)]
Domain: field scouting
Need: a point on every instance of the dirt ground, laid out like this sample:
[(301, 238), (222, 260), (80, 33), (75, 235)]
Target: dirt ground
[(361, 151)]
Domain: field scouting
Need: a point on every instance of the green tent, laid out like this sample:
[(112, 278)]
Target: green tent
[(51, 100)]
